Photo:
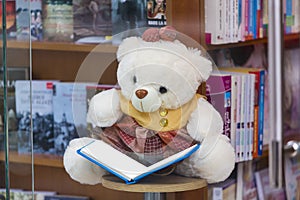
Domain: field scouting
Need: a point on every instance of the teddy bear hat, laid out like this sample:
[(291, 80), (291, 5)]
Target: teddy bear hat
[(162, 46)]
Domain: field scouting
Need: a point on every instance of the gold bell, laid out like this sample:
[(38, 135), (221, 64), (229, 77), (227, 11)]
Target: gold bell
[(163, 112), (163, 122)]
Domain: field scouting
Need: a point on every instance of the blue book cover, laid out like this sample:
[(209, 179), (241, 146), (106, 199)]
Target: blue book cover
[(261, 111)]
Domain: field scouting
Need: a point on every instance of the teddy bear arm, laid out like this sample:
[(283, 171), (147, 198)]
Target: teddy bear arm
[(204, 120), (104, 108)]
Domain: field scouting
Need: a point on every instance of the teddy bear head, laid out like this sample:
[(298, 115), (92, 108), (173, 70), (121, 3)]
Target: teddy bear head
[(160, 73)]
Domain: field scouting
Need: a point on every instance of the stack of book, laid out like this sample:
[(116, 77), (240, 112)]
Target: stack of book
[(238, 94), (81, 21), (240, 20), (58, 111)]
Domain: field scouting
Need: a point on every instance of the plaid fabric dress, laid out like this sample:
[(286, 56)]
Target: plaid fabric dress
[(144, 145)]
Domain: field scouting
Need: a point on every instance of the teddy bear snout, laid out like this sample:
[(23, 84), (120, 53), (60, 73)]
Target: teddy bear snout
[(141, 93)]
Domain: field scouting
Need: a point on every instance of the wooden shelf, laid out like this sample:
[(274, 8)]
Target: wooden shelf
[(109, 48), (60, 46), (39, 159), (290, 38)]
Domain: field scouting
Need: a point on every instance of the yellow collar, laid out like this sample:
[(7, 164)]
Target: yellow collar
[(163, 119)]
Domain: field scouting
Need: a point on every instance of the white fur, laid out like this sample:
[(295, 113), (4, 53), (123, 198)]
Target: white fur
[(205, 120), (164, 63), (104, 108), (78, 167), (151, 65), (199, 64), (216, 166)]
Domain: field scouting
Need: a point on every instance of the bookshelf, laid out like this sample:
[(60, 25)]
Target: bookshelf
[(61, 61)]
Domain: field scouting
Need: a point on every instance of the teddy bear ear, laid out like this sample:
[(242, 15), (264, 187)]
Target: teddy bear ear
[(128, 45), (201, 64)]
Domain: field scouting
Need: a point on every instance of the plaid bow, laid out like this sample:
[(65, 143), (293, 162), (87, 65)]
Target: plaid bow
[(144, 145)]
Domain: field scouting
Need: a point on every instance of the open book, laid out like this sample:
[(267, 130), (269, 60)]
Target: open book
[(124, 166)]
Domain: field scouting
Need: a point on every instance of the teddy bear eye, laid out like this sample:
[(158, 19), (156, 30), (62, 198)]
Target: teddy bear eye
[(134, 79), (163, 90)]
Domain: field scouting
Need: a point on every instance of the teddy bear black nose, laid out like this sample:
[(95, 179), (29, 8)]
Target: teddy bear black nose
[(141, 93)]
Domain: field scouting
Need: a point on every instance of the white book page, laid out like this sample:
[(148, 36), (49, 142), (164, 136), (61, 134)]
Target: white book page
[(123, 164), (114, 159)]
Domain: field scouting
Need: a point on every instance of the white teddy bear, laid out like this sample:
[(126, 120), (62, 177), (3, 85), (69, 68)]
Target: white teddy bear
[(157, 104)]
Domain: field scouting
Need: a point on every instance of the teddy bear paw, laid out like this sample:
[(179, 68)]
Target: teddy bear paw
[(212, 164), (79, 168)]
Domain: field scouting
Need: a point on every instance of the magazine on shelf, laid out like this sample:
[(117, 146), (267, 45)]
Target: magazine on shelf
[(13, 74), (34, 102), (92, 21), (125, 166), (156, 13), (29, 20), (10, 19), (69, 108), (58, 21)]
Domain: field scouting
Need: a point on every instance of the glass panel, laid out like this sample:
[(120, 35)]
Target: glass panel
[(15, 165), (291, 100)]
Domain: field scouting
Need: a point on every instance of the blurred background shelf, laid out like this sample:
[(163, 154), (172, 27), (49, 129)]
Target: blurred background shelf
[(39, 159), (61, 46)]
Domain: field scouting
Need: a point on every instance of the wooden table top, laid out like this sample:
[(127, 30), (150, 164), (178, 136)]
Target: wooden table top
[(155, 183)]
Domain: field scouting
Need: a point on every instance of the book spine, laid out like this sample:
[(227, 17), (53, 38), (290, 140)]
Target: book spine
[(228, 21), (251, 115), (227, 103), (254, 18), (210, 20), (247, 118), (261, 27), (233, 110), (265, 18), (242, 118), (256, 113), (241, 20), (261, 111), (219, 95), (246, 16), (220, 23), (250, 20), (236, 21), (238, 120), (258, 19)]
